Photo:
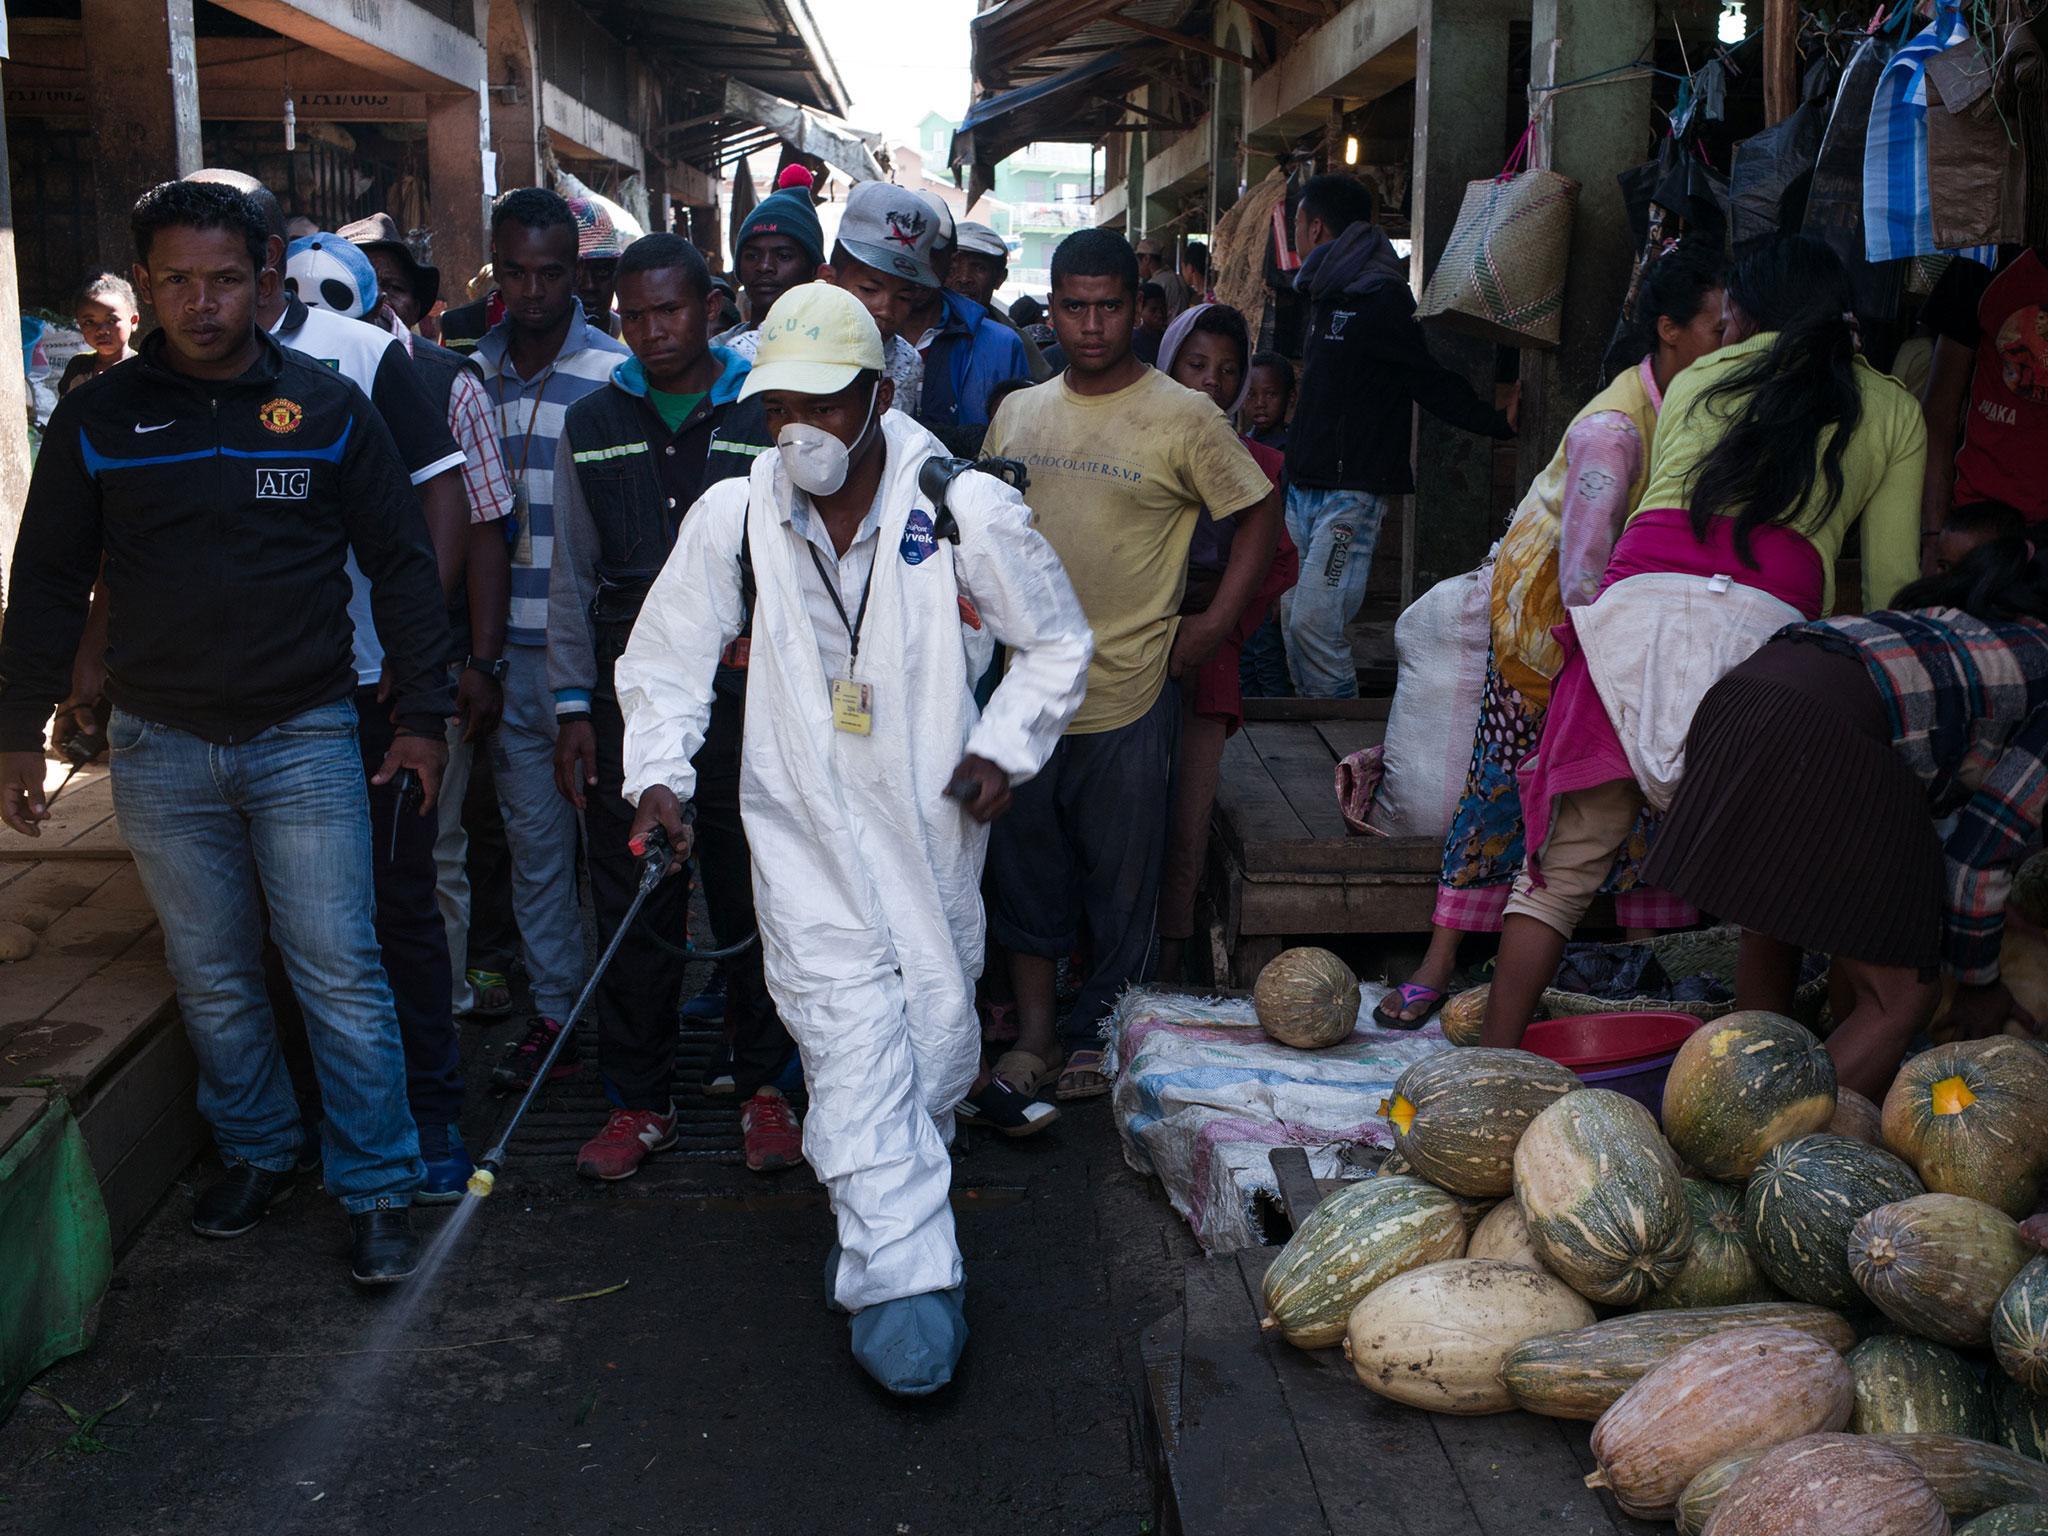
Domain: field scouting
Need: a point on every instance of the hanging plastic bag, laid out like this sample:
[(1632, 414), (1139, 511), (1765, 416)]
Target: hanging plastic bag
[(1834, 201), (1982, 107), (1501, 277), (1772, 173)]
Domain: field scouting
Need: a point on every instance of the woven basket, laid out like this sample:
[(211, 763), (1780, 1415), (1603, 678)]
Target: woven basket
[(1501, 277), (1707, 951)]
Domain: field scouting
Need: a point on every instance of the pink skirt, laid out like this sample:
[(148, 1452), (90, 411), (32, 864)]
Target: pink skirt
[(1579, 748)]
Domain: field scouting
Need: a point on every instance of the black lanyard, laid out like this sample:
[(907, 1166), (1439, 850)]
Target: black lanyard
[(853, 625)]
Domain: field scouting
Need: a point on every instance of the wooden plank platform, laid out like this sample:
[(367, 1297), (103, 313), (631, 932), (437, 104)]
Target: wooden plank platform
[(92, 1014), (1248, 1435)]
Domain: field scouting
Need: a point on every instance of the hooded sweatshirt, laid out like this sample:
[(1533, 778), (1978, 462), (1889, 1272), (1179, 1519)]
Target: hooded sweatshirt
[(1367, 366)]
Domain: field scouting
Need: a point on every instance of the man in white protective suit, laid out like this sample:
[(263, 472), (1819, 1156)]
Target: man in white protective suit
[(868, 777)]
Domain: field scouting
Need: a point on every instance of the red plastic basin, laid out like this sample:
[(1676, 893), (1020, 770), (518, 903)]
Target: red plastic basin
[(1592, 1041), (1629, 1053)]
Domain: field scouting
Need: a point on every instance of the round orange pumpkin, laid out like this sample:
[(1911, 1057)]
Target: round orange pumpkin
[(1972, 1119)]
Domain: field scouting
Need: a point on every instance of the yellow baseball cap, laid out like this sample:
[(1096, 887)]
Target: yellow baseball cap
[(816, 340)]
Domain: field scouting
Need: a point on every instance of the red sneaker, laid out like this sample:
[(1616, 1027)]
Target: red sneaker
[(516, 1067), (770, 1128), (628, 1137)]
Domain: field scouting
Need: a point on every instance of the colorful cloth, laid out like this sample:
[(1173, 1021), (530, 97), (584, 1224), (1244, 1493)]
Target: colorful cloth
[(1968, 702), (483, 462), (1898, 203), (1484, 850), (1557, 544)]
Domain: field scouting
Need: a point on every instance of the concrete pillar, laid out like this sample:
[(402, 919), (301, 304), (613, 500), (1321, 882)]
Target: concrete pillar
[(1461, 119), (455, 177), (14, 466), (1594, 136), (145, 122), (515, 94)]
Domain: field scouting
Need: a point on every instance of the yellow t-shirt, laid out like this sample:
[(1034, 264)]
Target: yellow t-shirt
[(1117, 483)]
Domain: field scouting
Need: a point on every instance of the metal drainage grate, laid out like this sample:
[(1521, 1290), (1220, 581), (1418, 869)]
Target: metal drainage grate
[(567, 1114)]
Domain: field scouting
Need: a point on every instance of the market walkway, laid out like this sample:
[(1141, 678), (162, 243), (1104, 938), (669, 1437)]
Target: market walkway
[(713, 1393)]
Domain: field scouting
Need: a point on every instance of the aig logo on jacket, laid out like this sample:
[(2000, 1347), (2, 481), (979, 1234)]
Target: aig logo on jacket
[(283, 484)]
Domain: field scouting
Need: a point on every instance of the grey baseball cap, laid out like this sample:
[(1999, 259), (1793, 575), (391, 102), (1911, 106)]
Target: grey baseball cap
[(890, 229)]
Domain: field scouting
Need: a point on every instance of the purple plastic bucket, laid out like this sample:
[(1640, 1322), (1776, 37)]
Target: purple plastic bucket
[(1642, 1081)]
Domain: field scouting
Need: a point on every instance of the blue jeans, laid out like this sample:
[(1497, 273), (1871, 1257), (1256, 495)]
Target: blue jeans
[(1335, 532), (282, 819), (540, 831)]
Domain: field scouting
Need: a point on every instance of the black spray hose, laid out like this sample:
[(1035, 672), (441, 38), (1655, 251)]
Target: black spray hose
[(654, 854)]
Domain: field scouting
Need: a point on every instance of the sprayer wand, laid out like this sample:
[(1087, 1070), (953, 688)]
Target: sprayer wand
[(654, 853)]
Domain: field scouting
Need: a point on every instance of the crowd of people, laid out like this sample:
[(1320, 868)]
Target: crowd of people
[(401, 634)]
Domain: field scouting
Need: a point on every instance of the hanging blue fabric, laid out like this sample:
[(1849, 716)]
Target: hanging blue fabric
[(1898, 208)]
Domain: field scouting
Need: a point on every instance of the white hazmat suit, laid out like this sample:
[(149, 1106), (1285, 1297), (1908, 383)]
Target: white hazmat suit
[(866, 877)]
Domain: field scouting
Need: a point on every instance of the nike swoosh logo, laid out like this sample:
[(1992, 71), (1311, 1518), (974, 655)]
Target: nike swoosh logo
[(140, 428)]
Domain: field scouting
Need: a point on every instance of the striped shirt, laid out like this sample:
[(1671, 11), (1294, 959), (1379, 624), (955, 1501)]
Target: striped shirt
[(1968, 702), (530, 416)]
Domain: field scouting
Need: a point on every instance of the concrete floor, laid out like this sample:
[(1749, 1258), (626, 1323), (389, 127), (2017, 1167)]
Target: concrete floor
[(713, 1394)]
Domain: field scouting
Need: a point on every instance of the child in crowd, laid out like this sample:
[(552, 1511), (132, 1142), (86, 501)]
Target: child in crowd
[(1206, 350), (1268, 397), (1972, 525), (107, 317), (1152, 318)]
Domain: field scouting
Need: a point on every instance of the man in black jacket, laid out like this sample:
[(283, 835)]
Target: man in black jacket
[(1367, 367), (633, 459), (223, 482)]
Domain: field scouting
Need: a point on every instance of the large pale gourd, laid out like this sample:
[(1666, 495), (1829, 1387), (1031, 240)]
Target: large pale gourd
[(1740, 1391), (2019, 1327), (1972, 1119), (1906, 1385), (1359, 1238), (1969, 1476), (1458, 1115), (1306, 997), (1830, 1485), (1603, 1197), (1804, 1200), (1503, 1234), (1937, 1264), (1579, 1375), (1741, 1085), (1435, 1337), (1721, 1270)]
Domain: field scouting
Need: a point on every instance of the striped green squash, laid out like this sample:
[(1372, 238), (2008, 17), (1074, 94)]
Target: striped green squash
[(2010, 1520), (1603, 1197), (1696, 1504), (1358, 1238), (1741, 1085), (1937, 1264), (1905, 1385), (1721, 1270), (1458, 1115), (2019, 1328), (1970, 1476), (2019, 1418), (1578, 1375), (1804, 1200)]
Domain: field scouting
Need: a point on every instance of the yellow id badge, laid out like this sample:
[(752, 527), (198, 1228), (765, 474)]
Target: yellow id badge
[(853, 707)]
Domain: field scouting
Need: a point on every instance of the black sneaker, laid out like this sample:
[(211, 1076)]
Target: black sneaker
[(516, 1067), (239, 1199), (999, 1107), (719, 1082), (383, 1247)]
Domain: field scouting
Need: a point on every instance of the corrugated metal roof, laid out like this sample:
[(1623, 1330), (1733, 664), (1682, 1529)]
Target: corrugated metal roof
[(773, 45), (1021, 40)]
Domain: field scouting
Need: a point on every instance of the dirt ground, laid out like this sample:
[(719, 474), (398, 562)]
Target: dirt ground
[(713, 1392)]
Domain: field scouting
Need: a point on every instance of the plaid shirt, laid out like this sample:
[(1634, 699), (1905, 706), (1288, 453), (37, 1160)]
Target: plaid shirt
[(1968, 702), (483, 465)]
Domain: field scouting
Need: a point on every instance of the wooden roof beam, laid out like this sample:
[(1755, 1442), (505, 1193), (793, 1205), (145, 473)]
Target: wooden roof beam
[(1192, 44)]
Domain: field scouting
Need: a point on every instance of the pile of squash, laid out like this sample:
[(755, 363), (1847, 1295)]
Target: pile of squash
[(1816, 1316)]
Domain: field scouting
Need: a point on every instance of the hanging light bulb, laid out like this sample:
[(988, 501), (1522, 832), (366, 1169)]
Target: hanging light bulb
[(1351, 149), (1734, 25)]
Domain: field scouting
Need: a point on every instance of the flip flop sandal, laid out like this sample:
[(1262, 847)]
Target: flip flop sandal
[(1000, 1107), (1406, 996), (1081, 1065), (1023, 1072)]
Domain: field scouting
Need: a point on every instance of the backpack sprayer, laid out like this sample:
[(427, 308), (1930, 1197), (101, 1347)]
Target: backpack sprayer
[(655, 853)]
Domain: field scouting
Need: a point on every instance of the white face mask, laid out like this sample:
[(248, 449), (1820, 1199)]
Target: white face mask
[(816, 461)]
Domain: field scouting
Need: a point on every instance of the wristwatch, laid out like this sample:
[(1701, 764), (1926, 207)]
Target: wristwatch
[(494, 668)]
